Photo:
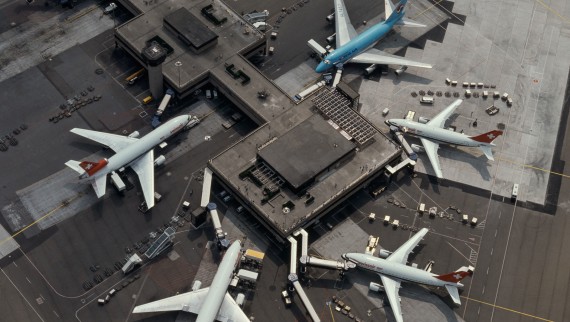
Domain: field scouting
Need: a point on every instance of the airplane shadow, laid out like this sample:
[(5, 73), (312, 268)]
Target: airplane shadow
[(409, 291)]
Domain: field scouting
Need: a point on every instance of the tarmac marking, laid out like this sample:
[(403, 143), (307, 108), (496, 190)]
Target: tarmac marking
[(38, 220), (565, 19), (81, 14), (536, 168), (507, 309), (54, 312), (25, 299), (457, 250), (27, 279), (332, 315), (15, 264)]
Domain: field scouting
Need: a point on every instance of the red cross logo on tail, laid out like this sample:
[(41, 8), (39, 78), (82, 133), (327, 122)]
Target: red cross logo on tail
[(92, 167)]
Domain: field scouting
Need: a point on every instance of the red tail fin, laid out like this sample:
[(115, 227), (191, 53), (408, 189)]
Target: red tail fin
[(456, 276), (92, 167), (487, 137)]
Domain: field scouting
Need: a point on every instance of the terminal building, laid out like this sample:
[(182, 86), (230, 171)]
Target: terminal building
[(304, 159)]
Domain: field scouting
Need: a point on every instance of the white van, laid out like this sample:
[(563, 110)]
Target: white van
[(208, 93), (426, 100), (422, 208), (515, 192)]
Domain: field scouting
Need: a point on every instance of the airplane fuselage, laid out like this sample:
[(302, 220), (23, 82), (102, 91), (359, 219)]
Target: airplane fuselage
[(396, 270), (360, 43), (141, 146), (435, 133), (220, 283)]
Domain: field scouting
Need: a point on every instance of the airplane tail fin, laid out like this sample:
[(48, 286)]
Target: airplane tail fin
[(394, 13), (487, 137), (388, 8), (397, 12), (457, 276), (86, 168)]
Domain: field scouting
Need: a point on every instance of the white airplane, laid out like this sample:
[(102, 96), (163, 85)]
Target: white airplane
[(358, 48), (433, 133), (212, 303), (130, 151), (393, 270)]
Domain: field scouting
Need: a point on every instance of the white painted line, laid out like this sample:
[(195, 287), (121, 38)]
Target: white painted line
[(25, 299), (27, 279)]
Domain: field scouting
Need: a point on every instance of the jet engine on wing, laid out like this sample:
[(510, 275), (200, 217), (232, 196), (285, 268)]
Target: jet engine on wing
[(400, 70), (134, 135), (375, 287), (159, 161), (418, 149), (331, 38), (370, 69), (382, 253)]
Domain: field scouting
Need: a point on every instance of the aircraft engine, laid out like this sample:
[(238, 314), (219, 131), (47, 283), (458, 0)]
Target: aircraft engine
[(370, 69), (418, 149), (135, 134), (330, 18), (400, 70), (159, 161), (331, 38), (375, 287), (384, 253)]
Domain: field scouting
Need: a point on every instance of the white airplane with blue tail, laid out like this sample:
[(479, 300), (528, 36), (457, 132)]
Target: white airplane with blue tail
[(358, 48)]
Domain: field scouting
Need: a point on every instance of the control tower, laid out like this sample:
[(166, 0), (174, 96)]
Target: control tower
[(154, 55)]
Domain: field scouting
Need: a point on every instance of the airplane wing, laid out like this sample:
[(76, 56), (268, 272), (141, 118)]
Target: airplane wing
[(391, 288), (188, 302), (113, 141), (230, 311), (376, 56), (144, 167), (99, 184), (344, 29), (401, 254), (431, 151), (439, 119)]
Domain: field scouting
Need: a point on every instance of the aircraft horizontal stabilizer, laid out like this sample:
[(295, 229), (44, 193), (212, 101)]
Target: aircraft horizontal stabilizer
[(409, 23), (75, 165), (453, 293), (488, 152)]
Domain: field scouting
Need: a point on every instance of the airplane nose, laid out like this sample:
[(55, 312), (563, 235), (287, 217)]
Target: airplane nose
[(343, 256)]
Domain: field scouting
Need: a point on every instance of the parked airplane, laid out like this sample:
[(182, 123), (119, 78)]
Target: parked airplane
[(358, 48), (212, 303), (393, 270), (130, 151), (433, 132)]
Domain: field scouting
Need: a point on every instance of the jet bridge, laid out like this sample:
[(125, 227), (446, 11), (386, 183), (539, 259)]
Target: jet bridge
[(212, 210), (400, 138), (294, 280)]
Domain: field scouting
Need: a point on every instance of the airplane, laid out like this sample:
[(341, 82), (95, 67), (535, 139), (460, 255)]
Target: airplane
[(393, 270), (433, 133), (130, 151), (212, 303), (358, 48)]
